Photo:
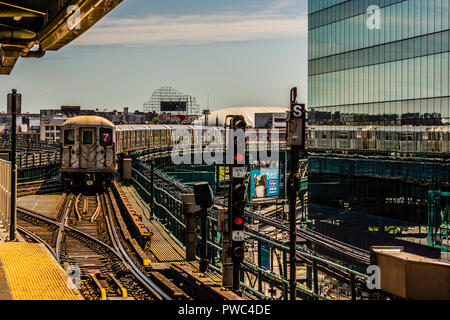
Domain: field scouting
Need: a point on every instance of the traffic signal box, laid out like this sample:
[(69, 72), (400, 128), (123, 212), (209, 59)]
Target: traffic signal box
[(237, 219), (237, 201)]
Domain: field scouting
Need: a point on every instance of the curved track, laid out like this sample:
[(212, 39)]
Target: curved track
[(356, 254), (114, 257)]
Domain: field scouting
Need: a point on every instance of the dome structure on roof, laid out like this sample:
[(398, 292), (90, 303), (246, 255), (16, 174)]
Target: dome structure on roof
[(88, 121), (217, 118)]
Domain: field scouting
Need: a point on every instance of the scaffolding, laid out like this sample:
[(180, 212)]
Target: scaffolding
[(170, 95)]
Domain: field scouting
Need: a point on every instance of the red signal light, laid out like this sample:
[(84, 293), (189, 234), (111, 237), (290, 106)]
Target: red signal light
[(238, 221), (239, 157)]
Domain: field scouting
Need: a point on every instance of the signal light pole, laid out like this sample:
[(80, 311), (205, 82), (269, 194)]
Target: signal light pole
[(236, 204), (296, 140)]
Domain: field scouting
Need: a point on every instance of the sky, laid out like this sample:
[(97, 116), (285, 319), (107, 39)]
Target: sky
[(236, 52)]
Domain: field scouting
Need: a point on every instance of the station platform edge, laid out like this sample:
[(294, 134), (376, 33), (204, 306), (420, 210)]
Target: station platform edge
[(29, 272)]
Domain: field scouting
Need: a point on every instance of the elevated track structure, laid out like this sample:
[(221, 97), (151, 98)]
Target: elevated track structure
[(164, 198), (92, 233)]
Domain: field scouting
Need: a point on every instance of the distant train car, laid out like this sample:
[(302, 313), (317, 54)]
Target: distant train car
[(265, 137), (90, 144), (141, 136), (87, 151), (431, 140)]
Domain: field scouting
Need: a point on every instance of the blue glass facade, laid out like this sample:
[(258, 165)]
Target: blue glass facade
[(379, 87), (400, 66)]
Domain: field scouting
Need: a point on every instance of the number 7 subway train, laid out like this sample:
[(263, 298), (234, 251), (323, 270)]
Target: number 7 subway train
[(90, 145)]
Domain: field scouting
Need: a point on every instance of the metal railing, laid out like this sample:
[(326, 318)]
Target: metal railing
[(25, 145), (37, 158), (164, 195), (37, 173), (5, 195)]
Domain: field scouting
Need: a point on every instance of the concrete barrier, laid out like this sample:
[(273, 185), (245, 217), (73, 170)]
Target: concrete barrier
[(126, 167), (410, 276)]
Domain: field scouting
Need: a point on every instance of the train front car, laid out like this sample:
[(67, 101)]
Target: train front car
[(87, 151)]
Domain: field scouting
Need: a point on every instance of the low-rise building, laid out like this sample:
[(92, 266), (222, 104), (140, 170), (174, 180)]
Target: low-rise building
[(50, 127), (28, 127)]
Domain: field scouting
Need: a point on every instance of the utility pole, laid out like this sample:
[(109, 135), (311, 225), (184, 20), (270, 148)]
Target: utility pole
[(223, 226), (152, 188), (14, 101), (296, 140)]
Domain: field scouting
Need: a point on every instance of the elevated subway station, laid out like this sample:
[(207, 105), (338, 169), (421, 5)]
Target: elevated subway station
[(130, 224), (151, 202)]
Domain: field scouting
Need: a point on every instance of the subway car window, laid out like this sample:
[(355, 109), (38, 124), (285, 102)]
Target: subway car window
[(87, 137), (69, 136), (106, 137)]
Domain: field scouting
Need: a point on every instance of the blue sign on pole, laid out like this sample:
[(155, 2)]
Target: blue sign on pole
[(265, 183)]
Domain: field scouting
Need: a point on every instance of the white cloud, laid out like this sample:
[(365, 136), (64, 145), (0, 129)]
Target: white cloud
[(48, 90), (193, 29)]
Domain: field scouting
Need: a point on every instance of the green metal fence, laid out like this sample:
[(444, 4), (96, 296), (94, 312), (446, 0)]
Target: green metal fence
[(37, 173), (163, 197)]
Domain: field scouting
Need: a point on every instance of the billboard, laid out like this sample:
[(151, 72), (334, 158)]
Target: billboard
[(224, 172), (263, 120), (173, 106), (265, 183)]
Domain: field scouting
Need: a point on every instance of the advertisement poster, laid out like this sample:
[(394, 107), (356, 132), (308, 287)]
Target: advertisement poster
[(265, 183), (224, 172)]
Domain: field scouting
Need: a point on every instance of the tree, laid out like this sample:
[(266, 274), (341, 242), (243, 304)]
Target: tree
[(155, 119)]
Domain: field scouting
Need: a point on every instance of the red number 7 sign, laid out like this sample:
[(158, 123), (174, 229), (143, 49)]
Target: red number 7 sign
[(105, 137)]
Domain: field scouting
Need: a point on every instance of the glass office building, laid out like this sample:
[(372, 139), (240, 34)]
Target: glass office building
[(392, 61), (378, 86)]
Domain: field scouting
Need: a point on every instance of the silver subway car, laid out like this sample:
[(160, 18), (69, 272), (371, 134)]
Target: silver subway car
[(432, 140), (88, 151)]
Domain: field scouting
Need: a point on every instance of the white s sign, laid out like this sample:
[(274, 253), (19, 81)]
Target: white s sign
[(297, 111)]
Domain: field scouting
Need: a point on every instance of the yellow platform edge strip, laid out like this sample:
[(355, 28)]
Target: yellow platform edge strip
[(33, 274)]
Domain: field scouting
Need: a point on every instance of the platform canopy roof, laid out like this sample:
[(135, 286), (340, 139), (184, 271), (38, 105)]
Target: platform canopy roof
[(29, 28)]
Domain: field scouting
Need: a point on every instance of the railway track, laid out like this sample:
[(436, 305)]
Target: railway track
[(107, 270), (89, 232), (39, 187), (353, 253), (31, 236)]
